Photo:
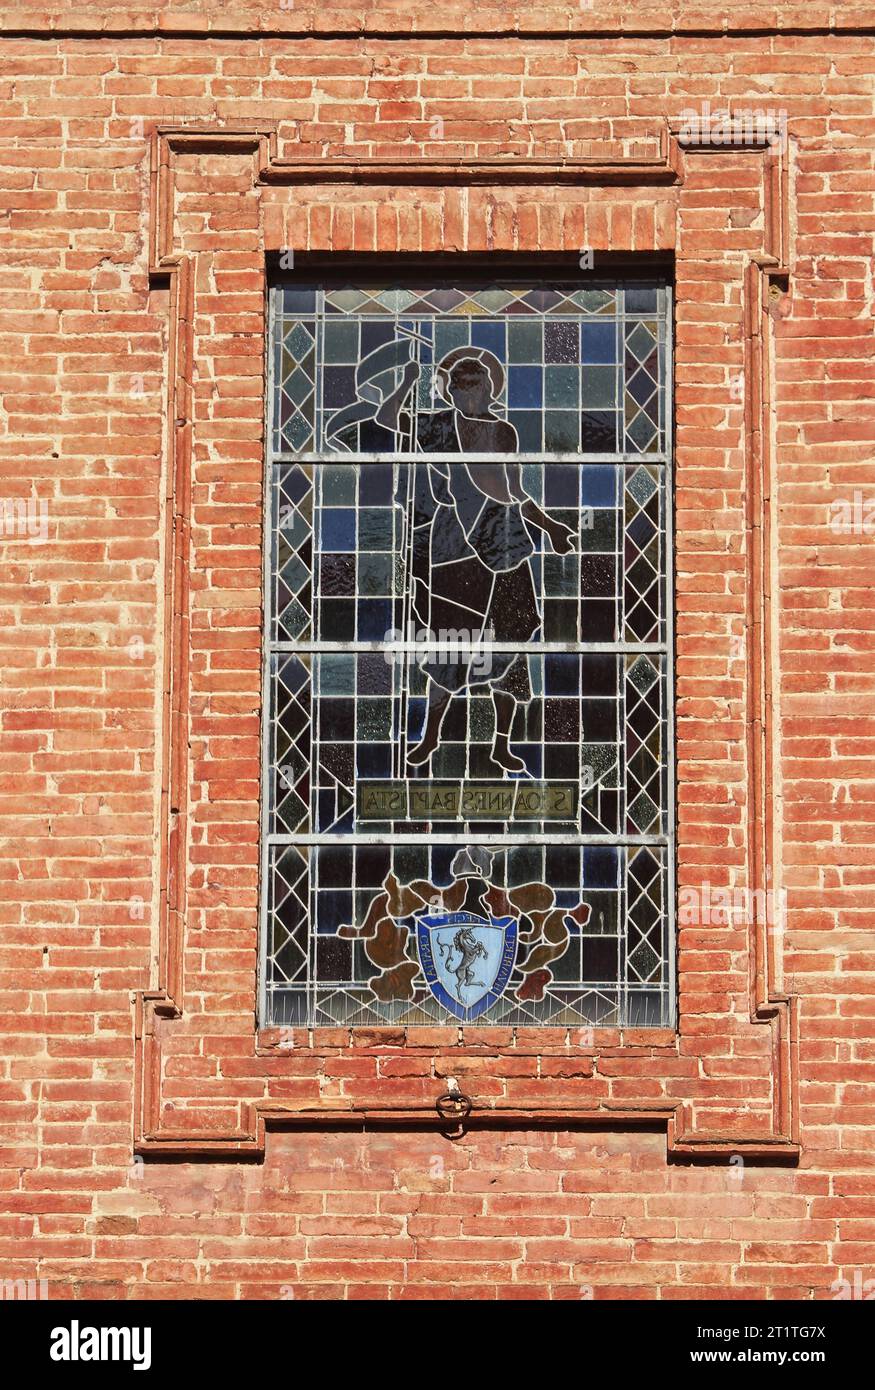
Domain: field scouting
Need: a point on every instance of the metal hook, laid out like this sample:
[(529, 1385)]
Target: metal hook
[(454, 1106)]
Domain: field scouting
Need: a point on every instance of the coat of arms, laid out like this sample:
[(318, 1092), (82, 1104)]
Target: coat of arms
[(466, 959), (472, 941)]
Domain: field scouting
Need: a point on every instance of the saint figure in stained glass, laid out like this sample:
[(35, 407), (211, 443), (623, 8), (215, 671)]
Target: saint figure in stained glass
[(470, 544)]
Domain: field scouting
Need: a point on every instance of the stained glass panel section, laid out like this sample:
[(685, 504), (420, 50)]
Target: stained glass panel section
[(560, 935), (567, 370)]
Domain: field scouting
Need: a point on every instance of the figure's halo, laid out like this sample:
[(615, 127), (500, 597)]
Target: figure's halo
[(469, 354)]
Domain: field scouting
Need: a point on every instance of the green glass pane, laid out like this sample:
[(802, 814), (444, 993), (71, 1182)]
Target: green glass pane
[(598, 387)]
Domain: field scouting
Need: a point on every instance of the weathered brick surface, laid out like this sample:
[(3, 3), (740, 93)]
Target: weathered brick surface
[(505, 1213)]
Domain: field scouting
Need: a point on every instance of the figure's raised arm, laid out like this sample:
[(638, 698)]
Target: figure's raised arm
[(390, 410)]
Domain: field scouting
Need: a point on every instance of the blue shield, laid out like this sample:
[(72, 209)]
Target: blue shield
[(466, 959)]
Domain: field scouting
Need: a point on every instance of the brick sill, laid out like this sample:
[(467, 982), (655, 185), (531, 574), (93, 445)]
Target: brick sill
[(520, 1042)]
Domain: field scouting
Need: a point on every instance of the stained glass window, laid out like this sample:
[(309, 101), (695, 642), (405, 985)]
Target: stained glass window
[(467, 805)]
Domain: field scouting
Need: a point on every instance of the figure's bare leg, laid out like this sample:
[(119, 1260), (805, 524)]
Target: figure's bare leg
[(505, 708), (438, 703)]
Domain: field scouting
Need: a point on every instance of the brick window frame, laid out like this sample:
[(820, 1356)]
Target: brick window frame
[(208, 1080)]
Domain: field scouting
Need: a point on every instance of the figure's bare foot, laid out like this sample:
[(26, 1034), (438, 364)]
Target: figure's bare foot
[(422, 752), (503, 758)]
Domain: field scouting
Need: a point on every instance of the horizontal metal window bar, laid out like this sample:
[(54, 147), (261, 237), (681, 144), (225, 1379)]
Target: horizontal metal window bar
[(533, 458), (452, 838), (561, 648)]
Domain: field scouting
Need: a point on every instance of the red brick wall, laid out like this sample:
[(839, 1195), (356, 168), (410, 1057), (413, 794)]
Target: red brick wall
[(734, 1159)]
